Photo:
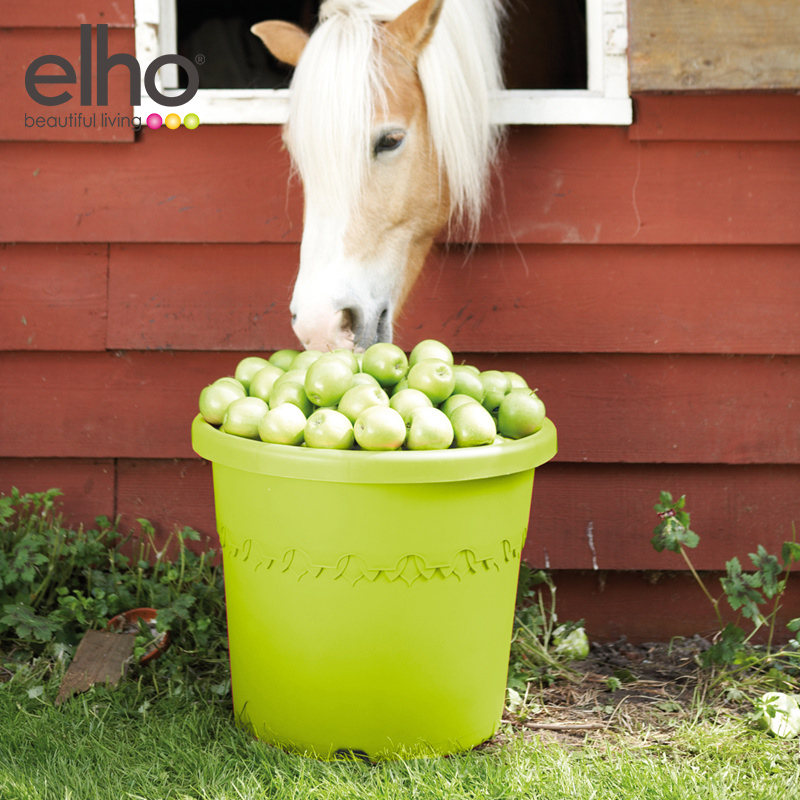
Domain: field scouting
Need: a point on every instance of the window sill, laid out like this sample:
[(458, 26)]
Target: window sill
[(271, 107)]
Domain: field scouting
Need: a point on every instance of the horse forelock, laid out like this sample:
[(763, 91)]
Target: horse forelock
[(335, 89), (340, 81)]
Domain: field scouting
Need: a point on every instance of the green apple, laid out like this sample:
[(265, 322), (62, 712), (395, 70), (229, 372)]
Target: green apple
[(516, 380), (349, 357), (228, 381), (282, 425), (434, 377), (358, 398), (468, 382), (454, 401), (386, 362), (293, 375), (328, 429), (305, 359), (573, 646), (361, 378), (473, 425), (247, 368), (291, 392), (471, 367), (215, 399), (779, 714), (496, 386), (380, 428), (327, 379), (283, 358), (263, 381), (430, 348), (521, 413), (429, 429), (243, 416), (399, 386), (406, 400)]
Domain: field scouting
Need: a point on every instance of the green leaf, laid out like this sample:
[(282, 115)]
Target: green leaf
[(6, 508), (727, 648), (189, 533), (769, 569), (740, 589), (665, 503), (790, 552), (671, 534), (27, 623)]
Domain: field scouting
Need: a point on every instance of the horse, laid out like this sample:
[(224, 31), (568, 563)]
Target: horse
[(389, 131)]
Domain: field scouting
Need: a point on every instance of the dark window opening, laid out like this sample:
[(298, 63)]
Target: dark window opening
[(230, 56), (545, 45), (545, 42)]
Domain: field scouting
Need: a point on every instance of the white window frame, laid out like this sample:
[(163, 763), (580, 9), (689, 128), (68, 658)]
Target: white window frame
[(606, 101)]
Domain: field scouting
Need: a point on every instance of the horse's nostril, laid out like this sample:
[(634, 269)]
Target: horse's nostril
[(349, 319), (366, 327), (384, 328)]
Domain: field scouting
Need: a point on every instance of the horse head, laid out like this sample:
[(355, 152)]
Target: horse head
[(362, 134)]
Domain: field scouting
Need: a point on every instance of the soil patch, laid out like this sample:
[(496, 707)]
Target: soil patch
[(620, 688)]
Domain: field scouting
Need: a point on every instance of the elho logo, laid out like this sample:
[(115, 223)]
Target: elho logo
[(104, 65)]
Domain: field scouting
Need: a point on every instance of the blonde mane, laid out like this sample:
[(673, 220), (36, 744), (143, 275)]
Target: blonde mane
[(338, 84)]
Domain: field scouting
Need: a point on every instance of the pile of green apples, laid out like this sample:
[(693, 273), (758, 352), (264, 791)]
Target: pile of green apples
[(382, 399)]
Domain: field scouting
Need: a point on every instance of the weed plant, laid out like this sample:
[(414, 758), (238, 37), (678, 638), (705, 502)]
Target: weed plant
[(756, 596), (535, 656), (56, 582)]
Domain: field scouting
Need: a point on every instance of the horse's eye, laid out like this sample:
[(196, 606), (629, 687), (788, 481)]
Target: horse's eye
[(389, 141)]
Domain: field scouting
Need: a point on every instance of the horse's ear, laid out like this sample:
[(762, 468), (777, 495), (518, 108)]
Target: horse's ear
[(284, 40), (414, 27)]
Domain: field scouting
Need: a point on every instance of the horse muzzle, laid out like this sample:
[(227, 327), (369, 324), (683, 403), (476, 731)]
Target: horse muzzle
[(349, 328)]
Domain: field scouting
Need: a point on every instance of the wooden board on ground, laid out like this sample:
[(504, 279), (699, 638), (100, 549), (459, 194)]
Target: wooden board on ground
[(101, 657)]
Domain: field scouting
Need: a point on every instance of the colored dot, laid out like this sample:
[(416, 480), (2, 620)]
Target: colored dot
[(172, 121), (191, 121), (154, 122)]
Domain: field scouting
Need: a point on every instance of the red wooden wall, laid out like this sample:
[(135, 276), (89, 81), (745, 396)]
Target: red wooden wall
[(646, 280)]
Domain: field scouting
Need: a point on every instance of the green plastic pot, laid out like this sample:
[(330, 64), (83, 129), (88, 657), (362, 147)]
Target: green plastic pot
[(370, 595)]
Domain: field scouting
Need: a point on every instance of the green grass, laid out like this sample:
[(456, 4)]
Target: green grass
[(114, 745), (167, 732)]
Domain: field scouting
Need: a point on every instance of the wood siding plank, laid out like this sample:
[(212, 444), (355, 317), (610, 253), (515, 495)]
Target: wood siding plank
[(600, 517), (546, 298), (573, 185), (115, 404), (87, 484), (23, 119), (53, 297), (201, 297), (66, 13), (215, 183), (679, 409), (561, 185), (610, 408), (650, 607), (170, 494), (717, 118), (714, 44), (530, 298)]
